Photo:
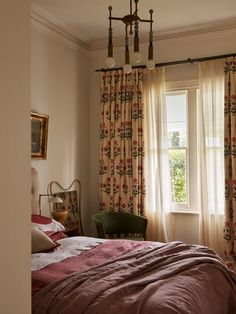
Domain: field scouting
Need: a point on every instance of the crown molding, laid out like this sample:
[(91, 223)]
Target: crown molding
[(49, 24), (208, 27), (204, 29)]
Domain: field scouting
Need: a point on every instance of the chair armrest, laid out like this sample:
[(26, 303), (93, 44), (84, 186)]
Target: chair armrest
[(99, 227)]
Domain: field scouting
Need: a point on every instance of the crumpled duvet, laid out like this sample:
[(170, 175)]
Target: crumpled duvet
[(169, 278)]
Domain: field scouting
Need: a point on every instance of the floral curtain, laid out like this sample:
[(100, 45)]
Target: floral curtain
[(121, 142), (230, 162)]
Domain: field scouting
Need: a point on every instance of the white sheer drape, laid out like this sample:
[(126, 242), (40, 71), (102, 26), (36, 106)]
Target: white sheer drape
[(211, 154), (156, 152)]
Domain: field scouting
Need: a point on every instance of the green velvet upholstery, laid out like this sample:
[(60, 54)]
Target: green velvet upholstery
[(120, 225)]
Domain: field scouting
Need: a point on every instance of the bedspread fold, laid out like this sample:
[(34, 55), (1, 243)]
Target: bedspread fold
[(169, 278)]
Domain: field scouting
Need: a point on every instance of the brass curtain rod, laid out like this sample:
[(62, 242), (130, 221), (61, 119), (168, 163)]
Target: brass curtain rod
[(189, 60)]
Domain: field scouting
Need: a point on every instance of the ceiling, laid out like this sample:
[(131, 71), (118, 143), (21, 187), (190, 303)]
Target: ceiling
[(87, 20)]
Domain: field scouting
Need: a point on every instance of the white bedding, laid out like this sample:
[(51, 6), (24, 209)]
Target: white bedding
[(68, 247)]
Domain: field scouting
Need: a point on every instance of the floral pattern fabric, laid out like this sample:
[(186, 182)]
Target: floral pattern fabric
[(121, 142), (230, 162)]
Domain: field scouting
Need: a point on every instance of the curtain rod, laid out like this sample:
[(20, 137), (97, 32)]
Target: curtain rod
[(189, 60)]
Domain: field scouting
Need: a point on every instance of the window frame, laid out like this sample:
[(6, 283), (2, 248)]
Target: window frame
[(190, 87)]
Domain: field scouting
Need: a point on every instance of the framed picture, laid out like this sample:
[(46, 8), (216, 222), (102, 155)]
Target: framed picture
[(39, 135)]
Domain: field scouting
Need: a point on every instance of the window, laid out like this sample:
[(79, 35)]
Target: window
[(182, 141), (176, 109)]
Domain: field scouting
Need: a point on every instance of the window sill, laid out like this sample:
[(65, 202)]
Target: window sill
[(183, 212)]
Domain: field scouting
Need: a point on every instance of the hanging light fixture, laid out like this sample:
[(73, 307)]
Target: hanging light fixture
[(132, 20)]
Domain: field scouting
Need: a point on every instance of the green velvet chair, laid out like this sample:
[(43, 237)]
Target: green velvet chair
[(120, 225)]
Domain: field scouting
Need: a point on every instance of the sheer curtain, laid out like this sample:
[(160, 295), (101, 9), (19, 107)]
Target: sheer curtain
[(156, 165), (211, 154)]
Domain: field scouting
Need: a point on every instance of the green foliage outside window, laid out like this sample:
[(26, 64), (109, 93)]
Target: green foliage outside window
[(177, 162)]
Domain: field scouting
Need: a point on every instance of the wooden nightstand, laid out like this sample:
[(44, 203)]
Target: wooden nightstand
[(62, 217), (72, 233)]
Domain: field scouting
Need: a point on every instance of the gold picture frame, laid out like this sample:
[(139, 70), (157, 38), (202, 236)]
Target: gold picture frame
[(39, 135)]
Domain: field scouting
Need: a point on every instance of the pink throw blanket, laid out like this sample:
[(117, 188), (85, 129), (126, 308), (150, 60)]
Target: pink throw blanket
[(88, 259), (168, 278)]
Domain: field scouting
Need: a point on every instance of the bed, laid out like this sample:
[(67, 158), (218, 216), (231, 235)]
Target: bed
[(91, 275)]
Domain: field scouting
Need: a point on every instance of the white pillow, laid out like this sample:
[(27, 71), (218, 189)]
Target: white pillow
[(40, 241), (46, 223)]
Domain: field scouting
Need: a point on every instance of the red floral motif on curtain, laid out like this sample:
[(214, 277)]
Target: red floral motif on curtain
[(230, 162), (121, 142)]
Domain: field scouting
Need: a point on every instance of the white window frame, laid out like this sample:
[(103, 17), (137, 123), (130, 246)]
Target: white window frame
[(191, 88)]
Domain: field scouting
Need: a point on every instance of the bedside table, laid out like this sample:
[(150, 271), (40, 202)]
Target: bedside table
[(71, 228), (71, 233)]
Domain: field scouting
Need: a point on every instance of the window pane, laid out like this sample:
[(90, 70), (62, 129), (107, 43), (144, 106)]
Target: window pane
[(176, 106), (177, 161), (176, 119)]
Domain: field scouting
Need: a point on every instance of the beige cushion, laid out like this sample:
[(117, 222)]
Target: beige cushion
[(40, 241)]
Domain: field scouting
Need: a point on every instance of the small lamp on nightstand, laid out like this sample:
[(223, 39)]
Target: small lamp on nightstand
[(60, 215), (54, 199)]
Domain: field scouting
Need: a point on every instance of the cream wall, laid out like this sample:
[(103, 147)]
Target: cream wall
[(15, 240), (59, 88), (198, 45), (66, 87)]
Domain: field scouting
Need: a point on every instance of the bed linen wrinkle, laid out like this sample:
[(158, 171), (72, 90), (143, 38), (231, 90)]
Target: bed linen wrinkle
[(67, 247), (147, 281), (96, 256)]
